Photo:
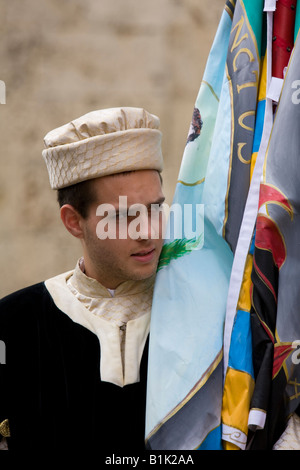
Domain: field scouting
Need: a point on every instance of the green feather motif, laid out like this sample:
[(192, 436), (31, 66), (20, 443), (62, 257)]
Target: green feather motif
[(176, 249)]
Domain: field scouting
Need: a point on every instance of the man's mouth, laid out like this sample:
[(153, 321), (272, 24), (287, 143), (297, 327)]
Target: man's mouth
[(144, 256)]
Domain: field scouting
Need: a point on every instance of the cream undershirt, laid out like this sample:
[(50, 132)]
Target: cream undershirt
[(120, 321)]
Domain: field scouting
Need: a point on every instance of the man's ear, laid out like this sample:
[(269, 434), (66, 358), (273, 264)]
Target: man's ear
[(71, 220)]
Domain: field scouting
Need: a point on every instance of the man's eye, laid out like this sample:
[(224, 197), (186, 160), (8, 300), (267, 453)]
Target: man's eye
[(157, 207)]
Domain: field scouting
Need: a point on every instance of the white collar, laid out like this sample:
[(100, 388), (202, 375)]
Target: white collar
[(111, 368)]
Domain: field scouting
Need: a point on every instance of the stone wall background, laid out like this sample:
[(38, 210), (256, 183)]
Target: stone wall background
[(60, 59)]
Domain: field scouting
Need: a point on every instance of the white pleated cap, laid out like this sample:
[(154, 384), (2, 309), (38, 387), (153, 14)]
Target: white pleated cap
[(101, 143)]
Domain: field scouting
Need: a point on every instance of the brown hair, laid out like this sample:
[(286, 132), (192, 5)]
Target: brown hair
[(79, 195)]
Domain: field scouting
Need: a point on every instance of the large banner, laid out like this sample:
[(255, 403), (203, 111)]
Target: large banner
[(204, 372), (186, 338)]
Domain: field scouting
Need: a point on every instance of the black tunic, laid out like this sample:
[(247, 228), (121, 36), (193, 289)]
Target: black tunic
[(50, 386)]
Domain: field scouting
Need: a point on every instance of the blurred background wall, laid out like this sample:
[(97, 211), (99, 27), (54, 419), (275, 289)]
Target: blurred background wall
[(60, 59)]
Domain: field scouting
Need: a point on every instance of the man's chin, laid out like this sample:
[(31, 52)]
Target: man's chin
[(143, 274)]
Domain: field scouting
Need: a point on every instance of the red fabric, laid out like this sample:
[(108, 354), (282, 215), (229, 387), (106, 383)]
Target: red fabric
[(268, 237), (271, 194), (283, 35), (281, 352)]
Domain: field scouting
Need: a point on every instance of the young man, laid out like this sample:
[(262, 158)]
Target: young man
[(76, 344)]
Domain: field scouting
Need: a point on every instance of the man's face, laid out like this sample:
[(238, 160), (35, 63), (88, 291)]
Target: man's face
[(132, 250)]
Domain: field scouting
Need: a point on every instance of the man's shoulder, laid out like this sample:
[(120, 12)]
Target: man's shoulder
[(18, 303), (33, 293), (26, 294), (27, 307)]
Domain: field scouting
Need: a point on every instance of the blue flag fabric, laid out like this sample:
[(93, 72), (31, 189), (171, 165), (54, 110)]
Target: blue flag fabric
[(185, 377)]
